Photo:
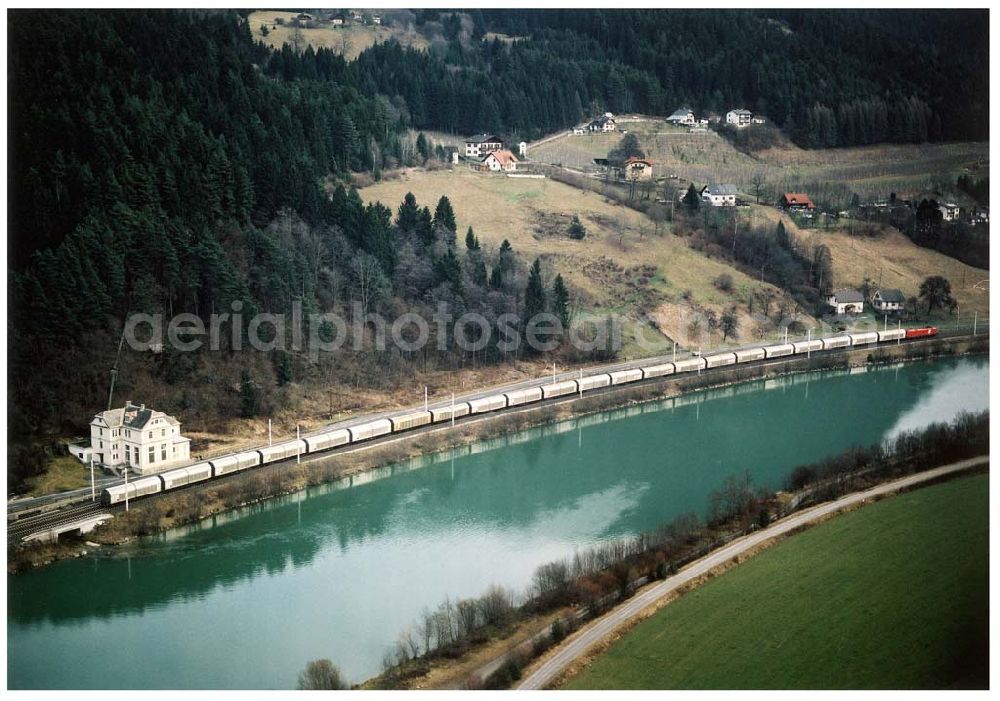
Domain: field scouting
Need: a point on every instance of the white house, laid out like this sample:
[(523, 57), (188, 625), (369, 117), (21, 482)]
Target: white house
[(522, 149), (605, 123), (847, 302), (140, 439), (980, 215), (739, 118), (950, 211), (889, 300), (502, 160), (577, 131), (479, 145), (376, 19), (337, 21), (719, 195), (684, 115)]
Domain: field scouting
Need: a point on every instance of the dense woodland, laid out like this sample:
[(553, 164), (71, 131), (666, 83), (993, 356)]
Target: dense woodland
[(162, 161)]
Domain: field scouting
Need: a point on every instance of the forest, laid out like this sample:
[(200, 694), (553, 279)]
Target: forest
[(163, 161)]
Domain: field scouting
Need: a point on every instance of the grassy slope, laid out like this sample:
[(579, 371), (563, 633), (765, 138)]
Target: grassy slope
[(895, 261), (62, 473), (894, 595), (358, 37), (871, 171), (535, 215)]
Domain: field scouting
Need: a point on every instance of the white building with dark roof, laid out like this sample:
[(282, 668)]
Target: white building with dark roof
[(481, 144), (719, 195), (684, 115), (847, 301), (888, 300), (140, 439)]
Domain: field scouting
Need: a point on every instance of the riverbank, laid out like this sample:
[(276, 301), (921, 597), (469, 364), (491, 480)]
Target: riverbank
[(617, 571), (549, 658), (777, 619), (159, 513)]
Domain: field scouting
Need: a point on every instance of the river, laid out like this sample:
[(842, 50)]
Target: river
[(246, 599)]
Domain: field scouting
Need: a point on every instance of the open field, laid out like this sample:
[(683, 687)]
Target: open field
[(349, 40), (704, 157), (893, 595), (622, 265), (62, 474)]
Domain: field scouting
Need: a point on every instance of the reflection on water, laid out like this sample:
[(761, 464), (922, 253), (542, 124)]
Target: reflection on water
[(245, 599)]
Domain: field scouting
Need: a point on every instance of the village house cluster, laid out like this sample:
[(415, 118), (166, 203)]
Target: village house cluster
[(489, 154), (851, 301)]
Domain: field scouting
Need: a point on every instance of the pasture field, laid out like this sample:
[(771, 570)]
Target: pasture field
[(348, 40), (834, 174), (623, 265), (893, 595)]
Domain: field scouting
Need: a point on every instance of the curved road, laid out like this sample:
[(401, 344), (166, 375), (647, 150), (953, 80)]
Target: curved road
[(600, 629)]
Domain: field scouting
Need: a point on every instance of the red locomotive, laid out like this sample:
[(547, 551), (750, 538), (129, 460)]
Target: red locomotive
[(922, 333)]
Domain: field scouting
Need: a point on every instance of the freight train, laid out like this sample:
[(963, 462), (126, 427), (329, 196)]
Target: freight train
[(336, 437)]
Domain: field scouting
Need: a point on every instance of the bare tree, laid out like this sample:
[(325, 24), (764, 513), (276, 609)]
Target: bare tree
[(321, 675)]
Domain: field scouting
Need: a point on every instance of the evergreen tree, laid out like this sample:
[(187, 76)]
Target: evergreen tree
[(444, 215), (560, 301), (534, 293), (471, 242), (408, 216), (691, 199)]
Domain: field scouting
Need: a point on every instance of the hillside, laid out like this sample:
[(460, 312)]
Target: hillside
[(347, 41), (833, 174), (627, 263)]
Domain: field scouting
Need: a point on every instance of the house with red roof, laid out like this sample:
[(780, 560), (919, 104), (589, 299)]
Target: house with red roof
[(500, 161), (796, 202)]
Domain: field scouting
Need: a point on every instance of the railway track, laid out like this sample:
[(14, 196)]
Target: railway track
[(18, 530), (82, 506)]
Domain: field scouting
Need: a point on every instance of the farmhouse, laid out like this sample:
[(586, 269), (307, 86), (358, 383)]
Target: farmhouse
[(684, 115), (579, 130), (638, 169), (980, 215), (888, 300), (337, 21), (739, 118), (481, 144), (719, 195), (501, 160), (796, 202), (604, 123), (137, 438), (950, 211), (846, 302)]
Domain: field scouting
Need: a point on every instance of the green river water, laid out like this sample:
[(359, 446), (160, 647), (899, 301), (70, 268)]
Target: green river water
[(245, 600)]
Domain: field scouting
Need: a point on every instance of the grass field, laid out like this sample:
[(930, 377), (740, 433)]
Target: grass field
[(348, 40), (621, 266), (62, 474), (894, 595), (870, 171)]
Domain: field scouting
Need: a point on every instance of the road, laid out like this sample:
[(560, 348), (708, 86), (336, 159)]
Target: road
[(604, 626)]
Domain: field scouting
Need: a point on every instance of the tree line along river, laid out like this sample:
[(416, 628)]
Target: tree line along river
[(246, 599)]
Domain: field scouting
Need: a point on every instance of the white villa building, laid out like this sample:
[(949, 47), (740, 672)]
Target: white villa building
[(481, 144), (139, 439)]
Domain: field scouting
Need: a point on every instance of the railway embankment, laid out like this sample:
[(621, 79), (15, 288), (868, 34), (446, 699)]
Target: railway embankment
[(160, 512)]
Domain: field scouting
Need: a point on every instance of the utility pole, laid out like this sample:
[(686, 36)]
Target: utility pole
[(975, 322), (886, 325), (298, 445), (809, 343), (453, 410), (553, 373), (675, 352), (126, 488), (579, 385), (93, 493), (269, 433), (425, 397)]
